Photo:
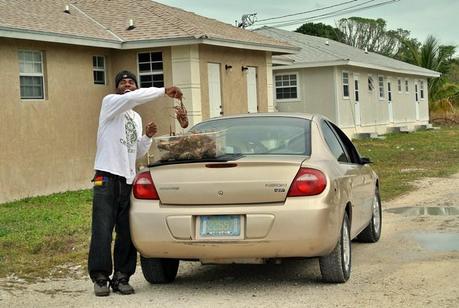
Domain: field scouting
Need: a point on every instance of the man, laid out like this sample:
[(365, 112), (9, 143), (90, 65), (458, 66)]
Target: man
[(119, 144)]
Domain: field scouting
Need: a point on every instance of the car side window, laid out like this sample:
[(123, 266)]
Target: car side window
[(347, 143), (333, 143)]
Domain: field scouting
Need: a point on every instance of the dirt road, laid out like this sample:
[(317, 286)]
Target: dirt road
[(415, 264)]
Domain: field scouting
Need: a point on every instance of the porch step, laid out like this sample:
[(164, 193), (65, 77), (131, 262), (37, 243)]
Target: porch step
[(406, 129), (366, 136), (393, 129), (426, 127)]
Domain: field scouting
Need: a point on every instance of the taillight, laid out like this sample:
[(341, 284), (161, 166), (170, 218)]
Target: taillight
[(308, 182), (144, 188)]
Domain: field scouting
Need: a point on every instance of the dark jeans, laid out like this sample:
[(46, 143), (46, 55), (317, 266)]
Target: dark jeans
[(110, 210)]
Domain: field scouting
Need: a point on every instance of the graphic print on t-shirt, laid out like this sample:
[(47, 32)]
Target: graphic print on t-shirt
[(131, 134)]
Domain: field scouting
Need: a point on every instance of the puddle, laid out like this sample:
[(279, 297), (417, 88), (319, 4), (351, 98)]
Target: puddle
[(418, 211), (438, 241)]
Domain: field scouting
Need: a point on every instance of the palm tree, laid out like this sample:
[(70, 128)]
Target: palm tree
[(433, 56)]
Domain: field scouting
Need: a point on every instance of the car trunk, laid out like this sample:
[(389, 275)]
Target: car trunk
[(251, 179)]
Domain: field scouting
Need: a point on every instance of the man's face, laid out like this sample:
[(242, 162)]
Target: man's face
[(126, 85)]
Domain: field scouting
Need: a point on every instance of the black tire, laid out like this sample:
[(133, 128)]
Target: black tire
[(336, 267), (372, 232), (158, 271)]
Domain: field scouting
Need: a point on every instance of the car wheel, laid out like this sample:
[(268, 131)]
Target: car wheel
[(336, 267), (372, 232), (158, 271)]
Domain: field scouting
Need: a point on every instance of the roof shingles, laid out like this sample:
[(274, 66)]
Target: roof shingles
[(318, 49), (109, 20)]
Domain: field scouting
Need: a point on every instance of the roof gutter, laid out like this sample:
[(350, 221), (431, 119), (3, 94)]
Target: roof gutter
[(426, 73), (275, 49), (58, 38), (119, 44)]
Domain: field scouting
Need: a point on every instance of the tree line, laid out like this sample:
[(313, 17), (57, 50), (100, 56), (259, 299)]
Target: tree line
[(372, 35)]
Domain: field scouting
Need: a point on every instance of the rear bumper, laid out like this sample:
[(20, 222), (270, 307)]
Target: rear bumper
[(301, 227)]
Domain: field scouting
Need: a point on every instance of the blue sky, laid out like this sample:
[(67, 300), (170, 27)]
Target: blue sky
[(421, 17)]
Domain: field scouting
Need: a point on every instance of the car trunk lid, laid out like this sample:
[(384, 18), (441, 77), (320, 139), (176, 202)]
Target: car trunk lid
[(250, 179)]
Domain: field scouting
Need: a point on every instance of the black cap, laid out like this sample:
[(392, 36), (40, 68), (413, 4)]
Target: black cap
[(125, 74)]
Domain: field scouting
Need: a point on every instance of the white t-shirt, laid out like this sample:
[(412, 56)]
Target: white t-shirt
[(119, 137)]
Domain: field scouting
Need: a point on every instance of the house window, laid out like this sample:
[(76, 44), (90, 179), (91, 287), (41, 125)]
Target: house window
[(345, 84), (98, 69), (151, 69), (422, 89), (399, 82), (31, 76), (381, 86), (406, 86), (370, 83), (286, 86), (356, 90)]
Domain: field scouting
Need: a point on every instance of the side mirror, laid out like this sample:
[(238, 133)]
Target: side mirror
[(365, 160)]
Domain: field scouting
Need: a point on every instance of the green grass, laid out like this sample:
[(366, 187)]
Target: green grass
[(402, 158), (39, 234), (36, 234)]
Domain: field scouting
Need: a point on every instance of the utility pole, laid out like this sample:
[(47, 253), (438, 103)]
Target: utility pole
[(247, 20)]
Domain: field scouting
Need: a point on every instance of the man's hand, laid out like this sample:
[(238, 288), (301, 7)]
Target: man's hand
[(174, 92), (182, 116), (151, 129)]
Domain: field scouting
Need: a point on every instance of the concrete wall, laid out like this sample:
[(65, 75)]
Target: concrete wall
[(316, 92), (234, 81), (374, 111), (49, 145)]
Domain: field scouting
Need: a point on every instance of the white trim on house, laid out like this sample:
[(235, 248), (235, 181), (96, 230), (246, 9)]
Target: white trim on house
[(152, 72), (99, 69), (313, 64), (336, 85), (390, 69), (358, 64), (56, 38), (343, 84), (40, 74), (298, 92)]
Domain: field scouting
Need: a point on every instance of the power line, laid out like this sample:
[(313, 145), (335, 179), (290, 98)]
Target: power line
[(310, 11), (322, 15), (329, 14)]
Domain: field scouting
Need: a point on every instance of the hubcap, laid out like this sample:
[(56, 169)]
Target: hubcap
[(376, 214), (346, 248)]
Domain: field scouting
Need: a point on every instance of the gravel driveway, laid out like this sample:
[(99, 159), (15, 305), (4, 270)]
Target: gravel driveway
[(416, 263)]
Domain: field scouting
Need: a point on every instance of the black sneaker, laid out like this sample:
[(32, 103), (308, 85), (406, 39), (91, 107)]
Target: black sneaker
[(120, 284), (101, 287)]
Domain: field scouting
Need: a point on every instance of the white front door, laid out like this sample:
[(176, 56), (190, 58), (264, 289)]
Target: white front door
[(252, 99), (215, 94), (389, 102), (357, 118), (416, 95)]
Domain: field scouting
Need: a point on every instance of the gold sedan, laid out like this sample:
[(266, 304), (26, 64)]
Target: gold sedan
[(253, 188)]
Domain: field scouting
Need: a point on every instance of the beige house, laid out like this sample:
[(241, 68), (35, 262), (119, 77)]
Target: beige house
[(59, 58), (362, 92)]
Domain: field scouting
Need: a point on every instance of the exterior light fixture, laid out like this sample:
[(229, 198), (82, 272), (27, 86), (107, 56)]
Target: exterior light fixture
[(67, 9), (244, 68), (228, 68), (131, 24)]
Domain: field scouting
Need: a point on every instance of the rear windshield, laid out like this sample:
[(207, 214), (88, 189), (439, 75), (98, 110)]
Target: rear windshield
[(262, 135)]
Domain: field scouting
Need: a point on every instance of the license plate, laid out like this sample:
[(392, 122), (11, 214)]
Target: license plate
[(220, 226)]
